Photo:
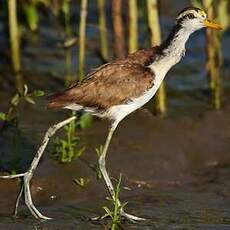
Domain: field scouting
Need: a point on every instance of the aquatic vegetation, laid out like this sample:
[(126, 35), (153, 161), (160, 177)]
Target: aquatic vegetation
[(15, 43), (219, 11), (82, 38), (82, 182), (68, 148), (99, 151), (114, 213), (103, 30), (155, 32), (31, 13), (66, 12), (10, 121), (133, 26), (11, 114)]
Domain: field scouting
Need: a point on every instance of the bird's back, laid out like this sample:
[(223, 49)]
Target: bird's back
[(113, 83)]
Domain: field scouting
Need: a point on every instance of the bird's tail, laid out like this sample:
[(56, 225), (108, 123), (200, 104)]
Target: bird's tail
[(57, 101)]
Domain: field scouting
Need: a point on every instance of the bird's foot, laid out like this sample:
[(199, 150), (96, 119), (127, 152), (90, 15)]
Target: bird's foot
[(25, 188), (28, 198)]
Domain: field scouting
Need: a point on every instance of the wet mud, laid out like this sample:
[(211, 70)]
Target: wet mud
[(175, 172)]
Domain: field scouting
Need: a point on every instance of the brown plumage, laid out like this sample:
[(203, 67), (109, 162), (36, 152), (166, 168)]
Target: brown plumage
[(111, 84)]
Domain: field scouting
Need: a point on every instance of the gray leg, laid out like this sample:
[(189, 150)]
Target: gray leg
[(105, 175), (17, 201), (29, 174)]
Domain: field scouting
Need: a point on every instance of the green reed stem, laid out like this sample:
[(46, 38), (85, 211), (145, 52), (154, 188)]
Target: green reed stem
[(82, 37), (155, 31), (103, 30), (213, 56), (15, 43), (133, 26)]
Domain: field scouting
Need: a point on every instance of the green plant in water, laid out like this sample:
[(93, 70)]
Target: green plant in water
[(99, 151), (31, 13), (17, 99), (82, 182), (82, 37), (11, 117), (155, 32), (115, 213), (68, 148), (217, 10)]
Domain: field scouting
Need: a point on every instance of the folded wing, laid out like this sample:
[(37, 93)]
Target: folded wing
[(116, 83)]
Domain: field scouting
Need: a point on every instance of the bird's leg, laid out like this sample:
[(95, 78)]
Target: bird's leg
[(27, 176), (17, 201), (106, 178)]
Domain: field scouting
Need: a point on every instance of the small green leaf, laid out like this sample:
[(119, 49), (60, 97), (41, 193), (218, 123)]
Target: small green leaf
[(15, 100), (31, 16), (25, 90), (108, 211), (85, 121), (82, 182), (30, 100), (99, 150), (38, 93), (2, 116)]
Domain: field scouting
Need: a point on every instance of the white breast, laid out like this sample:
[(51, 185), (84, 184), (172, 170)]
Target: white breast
[(118, 112)]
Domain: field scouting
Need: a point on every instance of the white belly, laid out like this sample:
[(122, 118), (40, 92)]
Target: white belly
[(118, 112)]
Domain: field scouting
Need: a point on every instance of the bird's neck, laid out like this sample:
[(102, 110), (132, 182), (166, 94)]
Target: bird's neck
[(170, 51), (175, 42)]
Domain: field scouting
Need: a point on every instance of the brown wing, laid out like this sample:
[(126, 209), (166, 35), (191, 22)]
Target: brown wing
[(142, 57), (113, 84)]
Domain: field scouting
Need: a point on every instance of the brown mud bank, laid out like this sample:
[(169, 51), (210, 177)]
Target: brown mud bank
[(175, 173)]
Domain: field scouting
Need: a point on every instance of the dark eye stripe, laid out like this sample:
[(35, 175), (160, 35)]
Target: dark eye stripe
[(190, 16)]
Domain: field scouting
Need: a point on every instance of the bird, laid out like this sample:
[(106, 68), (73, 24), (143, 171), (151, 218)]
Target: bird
[(118, 88)]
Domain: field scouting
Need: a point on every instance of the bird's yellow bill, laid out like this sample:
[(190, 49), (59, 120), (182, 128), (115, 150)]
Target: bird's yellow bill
[(212, 25)]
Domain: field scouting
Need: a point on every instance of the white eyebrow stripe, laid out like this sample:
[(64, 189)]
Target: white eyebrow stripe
[(186, 13)]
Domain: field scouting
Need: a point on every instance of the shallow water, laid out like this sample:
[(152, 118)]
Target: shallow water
[(175, 169)]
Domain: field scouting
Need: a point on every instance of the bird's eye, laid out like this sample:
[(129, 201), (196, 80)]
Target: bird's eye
[(191, 16)]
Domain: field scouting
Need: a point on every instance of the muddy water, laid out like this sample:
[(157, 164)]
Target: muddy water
[(175, 173)]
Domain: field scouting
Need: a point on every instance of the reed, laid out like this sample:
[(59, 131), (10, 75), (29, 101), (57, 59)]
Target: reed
[(118, 31), (66, 12), (68, 34), (133, 26), (213, 56), (103, 30), (82, 37), (32, 17), (15, 43), (155, 31)]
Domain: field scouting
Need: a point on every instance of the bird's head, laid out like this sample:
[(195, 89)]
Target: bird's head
[(193, 19)]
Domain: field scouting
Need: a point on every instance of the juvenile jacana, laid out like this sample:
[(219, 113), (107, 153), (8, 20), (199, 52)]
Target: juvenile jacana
[(120, 87)]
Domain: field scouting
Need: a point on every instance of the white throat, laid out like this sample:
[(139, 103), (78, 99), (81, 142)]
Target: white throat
[(173, 49)]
